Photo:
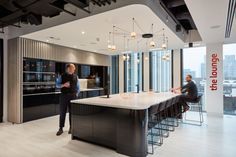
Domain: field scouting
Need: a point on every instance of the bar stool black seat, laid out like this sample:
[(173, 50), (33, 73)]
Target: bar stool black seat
[(195, 104)]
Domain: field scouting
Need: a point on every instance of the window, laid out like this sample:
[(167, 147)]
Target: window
[(229, 84), (194, 63), (132, 72), (115, 74), (160, 71)]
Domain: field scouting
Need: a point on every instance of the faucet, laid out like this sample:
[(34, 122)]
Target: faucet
[(137, 85)]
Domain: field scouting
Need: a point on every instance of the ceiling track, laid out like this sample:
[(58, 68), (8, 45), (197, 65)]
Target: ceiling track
[(230, 17), (102, 2)]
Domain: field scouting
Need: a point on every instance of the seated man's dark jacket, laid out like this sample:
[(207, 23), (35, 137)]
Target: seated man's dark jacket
[(190, 89)]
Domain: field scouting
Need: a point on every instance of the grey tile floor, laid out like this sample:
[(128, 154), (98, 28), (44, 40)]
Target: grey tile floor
[(216, 138)]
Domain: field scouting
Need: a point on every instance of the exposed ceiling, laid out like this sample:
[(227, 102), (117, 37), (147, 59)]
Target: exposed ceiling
[(179, 11), (232, 38), (92, 33), (210, 18), (12, 12)]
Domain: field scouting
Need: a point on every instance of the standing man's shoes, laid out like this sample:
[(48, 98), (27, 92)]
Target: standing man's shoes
[(69, 132), (59, 132)]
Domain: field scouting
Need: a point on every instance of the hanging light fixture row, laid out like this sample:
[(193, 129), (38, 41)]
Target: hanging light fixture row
[(134, 35)]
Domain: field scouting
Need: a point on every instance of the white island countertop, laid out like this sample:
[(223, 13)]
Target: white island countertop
[(133, 101)]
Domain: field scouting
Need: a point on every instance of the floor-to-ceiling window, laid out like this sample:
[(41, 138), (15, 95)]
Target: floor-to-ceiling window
[(132, 72), (115, 74), (194, 63), (160, 71), (229, 84)]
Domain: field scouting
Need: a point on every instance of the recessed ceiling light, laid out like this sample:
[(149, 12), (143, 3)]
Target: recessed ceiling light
[(47, 40), (93, 43), (75, 46), (215, 26), (83, 32), (54, 38)]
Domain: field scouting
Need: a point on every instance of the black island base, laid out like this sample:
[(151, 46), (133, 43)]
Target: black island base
[(124, 130)]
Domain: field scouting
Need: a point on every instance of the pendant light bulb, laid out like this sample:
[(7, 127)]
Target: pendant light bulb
[(152, 44), (133, 35), (113, 47), (164, 46), (124, 57), (109, 46)]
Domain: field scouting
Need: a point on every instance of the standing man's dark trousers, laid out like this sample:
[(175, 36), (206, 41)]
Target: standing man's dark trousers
[(64, 105)]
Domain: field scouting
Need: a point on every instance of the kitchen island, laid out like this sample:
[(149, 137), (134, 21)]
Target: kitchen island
[(119, 122)]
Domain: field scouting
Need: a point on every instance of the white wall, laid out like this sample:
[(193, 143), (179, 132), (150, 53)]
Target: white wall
[(4, 36), (177, 68), (214, 98)]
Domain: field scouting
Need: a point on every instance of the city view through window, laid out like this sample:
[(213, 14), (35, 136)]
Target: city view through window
[(229, 52), (194, 63)]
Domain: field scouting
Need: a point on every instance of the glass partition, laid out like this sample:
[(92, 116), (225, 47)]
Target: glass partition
[(160, 71), (229, 84), (133, 72)]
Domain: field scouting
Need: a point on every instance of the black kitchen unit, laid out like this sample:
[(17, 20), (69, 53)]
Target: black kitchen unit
[(39, 97), (1, 80), (40, 94)]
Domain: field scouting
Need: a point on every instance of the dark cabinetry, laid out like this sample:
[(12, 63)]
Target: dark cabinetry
[(40, 106), (40, 95)]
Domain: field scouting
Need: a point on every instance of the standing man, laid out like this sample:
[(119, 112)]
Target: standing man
[(189, 92), (69, 85)]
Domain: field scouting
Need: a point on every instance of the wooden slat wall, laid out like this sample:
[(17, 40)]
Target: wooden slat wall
[(20, 47), (14, 82), (37, 49)]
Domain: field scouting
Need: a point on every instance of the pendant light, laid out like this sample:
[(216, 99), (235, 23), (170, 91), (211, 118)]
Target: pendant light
[(133, 34), (113, 47), (152, 43), (164, 44), (109, 42)]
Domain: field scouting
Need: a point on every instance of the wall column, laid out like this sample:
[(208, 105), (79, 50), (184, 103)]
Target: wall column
[(214, 79), (177, 68), (146, 70), (4, 36), (121, 74)]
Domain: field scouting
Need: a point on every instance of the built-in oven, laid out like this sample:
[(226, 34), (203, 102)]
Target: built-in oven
[(38, 76)]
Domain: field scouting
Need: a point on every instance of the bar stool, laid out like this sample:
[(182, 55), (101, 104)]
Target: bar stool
[(195, 104), (177, 110), (174, 112), (153, 122), (161, 116), (169, 111)]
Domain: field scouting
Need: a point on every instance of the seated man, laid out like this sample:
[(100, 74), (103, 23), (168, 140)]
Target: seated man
[(189, 92)]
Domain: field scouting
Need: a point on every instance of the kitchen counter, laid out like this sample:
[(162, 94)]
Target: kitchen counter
[(119, 122), (81, 90), (134, 101)]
